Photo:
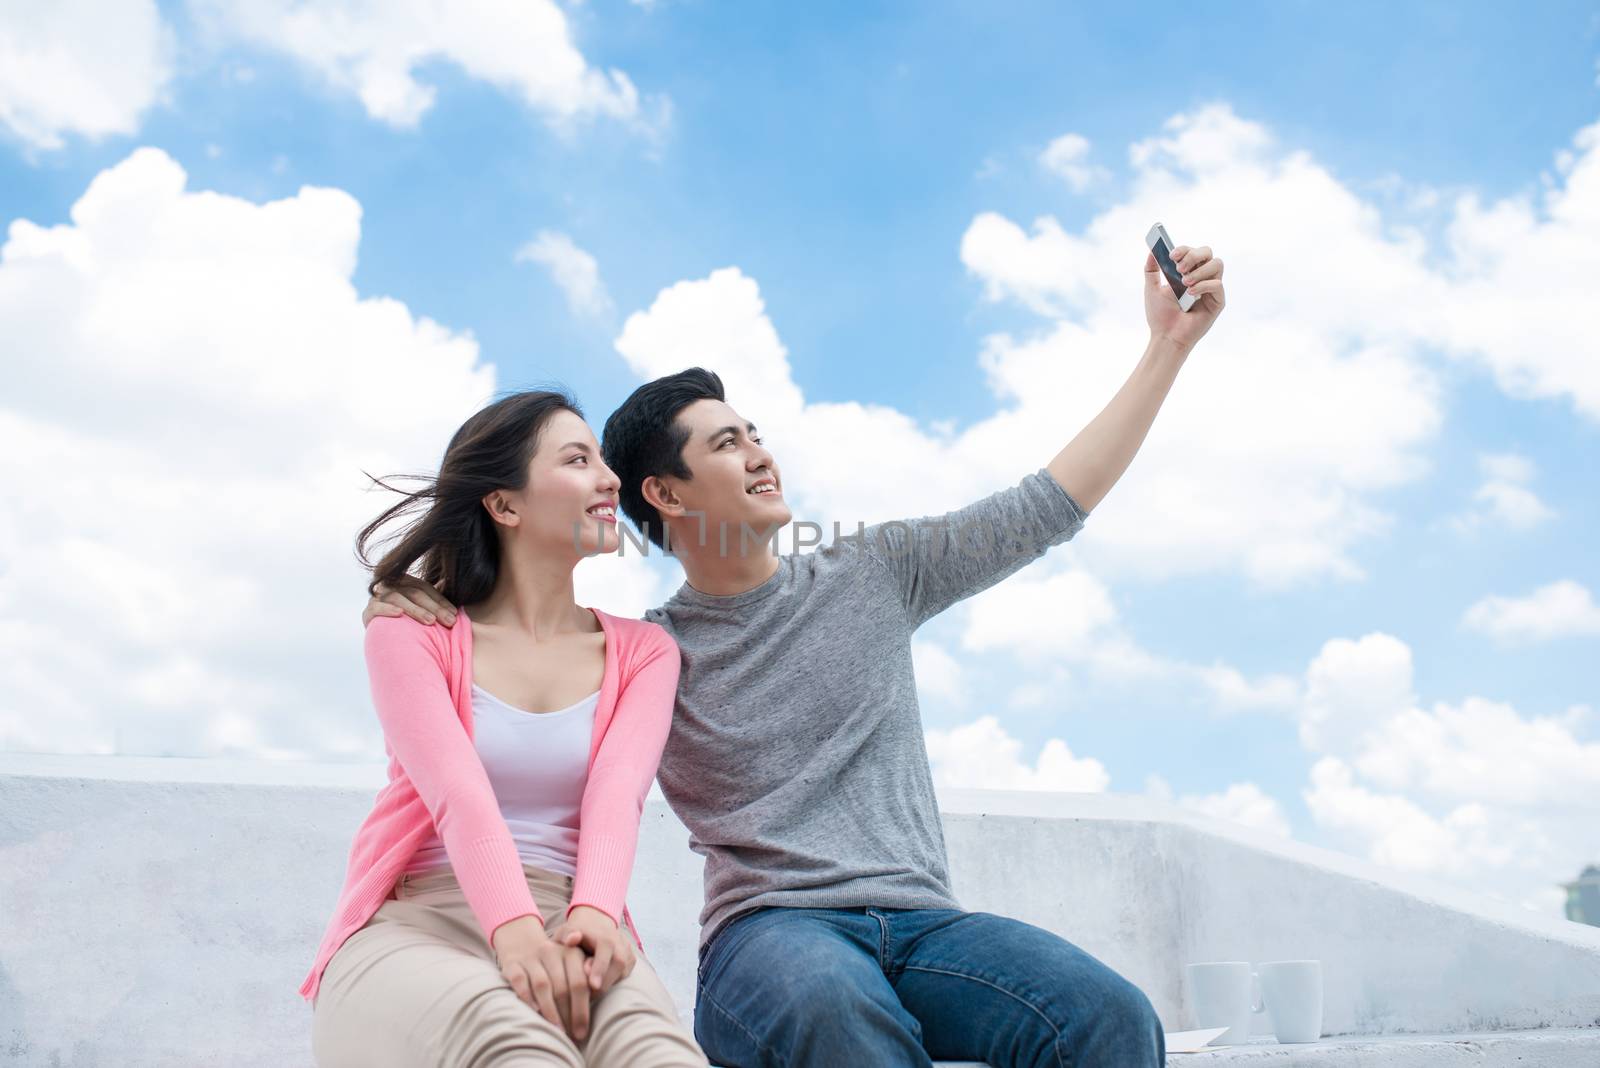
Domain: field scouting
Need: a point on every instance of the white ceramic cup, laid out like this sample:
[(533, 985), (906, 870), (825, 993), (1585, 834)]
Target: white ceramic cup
[(1223, 994), (1292, 990)]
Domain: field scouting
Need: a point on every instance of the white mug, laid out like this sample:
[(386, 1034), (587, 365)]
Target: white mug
[(1292, 990), (1224, 994)]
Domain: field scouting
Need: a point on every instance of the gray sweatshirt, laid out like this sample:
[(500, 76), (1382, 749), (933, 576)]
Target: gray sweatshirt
[(796, 757)]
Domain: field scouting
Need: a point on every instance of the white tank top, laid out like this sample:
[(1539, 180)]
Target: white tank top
[(538, 763)]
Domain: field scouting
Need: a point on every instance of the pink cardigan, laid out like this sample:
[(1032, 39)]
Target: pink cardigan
[(422, 689)]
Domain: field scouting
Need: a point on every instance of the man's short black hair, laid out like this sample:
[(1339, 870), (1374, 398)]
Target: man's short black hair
[(643, 439)]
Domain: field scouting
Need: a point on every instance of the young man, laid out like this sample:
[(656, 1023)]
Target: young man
[(830, 934)]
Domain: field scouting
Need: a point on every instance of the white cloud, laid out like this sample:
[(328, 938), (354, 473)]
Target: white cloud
[(1352, 687), (1243, 803), (625, 585), (1506, 467), (1005, 616), (1504, 501), (1507, 308), (200, 387), (939, 675), (1484, 750), (981, 754), (87, 67), (573, 270), (1395, 831), (1561, 609), (525, 49), (1037, 694), (1067, 156), (1516, 507), (1472, 791), (1049, 616), (1234, 692)]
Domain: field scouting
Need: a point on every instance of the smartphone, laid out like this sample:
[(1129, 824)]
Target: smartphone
[(1161, 247)]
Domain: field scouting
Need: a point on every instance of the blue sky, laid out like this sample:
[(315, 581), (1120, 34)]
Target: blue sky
[(842, 159)]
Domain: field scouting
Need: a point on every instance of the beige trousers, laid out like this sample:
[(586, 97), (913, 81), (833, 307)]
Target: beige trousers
[(418, 985)]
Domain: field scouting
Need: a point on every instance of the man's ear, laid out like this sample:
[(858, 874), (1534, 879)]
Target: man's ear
[(661, 497)]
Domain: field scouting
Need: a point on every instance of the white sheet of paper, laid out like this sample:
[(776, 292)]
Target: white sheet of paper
[(1192, 1041)]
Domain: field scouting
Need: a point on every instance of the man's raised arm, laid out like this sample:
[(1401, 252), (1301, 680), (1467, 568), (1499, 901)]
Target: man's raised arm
[(1092, 462), (939, 560)]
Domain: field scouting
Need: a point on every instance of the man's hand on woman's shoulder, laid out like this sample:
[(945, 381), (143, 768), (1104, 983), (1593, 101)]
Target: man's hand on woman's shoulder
[(410, 597)]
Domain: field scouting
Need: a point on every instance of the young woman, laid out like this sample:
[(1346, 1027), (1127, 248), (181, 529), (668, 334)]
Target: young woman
[(482, 917)]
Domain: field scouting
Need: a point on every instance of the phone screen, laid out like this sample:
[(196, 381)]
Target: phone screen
[(1163, 254)]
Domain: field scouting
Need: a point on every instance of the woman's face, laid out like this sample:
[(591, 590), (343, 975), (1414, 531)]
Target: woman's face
[(569, 506)]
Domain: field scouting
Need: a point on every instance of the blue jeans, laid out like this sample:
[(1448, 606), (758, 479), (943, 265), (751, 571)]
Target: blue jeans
[(871, 986)]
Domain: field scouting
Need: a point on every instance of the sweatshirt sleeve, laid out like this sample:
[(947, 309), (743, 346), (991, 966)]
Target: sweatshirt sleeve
[(939, 560), (407, 670), (624, 768)]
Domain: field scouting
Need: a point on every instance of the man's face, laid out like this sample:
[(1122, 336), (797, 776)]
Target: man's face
[(735, 481)]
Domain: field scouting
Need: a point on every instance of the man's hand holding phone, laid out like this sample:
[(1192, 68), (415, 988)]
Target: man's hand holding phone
[(1182, 308)]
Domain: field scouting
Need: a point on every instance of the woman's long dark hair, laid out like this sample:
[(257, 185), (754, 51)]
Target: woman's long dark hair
[(455, 538)]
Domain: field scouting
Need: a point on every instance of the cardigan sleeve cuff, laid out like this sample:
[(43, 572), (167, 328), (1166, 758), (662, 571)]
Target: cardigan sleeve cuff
[(604, 864), (494, 883)]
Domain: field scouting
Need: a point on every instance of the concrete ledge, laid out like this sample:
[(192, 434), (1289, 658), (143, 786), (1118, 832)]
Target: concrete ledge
[(157, 911), (1554, 1048)]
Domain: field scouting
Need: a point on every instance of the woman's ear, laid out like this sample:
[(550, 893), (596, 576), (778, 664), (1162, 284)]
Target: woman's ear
[(502, 509)]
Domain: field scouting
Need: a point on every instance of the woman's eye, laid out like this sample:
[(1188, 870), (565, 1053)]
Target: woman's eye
[(583, 458)]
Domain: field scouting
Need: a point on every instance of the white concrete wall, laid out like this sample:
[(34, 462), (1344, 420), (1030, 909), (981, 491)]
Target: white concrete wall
[(152, 915)]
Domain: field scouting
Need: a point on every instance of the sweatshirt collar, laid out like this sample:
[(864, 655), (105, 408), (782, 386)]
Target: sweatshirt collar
[(687, 594)]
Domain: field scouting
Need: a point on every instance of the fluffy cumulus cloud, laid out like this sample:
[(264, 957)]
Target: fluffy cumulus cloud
[(1068, 157), (1057, 613), (375, 50), (940, 676), (1243, 803), (199, 391), (1561, 609), (1473, 790), (575, 272), (981, 754), (1504, 499), (85, 67)]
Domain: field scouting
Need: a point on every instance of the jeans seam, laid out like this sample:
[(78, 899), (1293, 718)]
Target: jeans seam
[(883, 940), (761, 1049), (1030, 1006), (709, 949)]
